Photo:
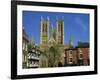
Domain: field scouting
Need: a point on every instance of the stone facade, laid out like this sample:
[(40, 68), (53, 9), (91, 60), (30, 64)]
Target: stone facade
[(46, 30), (25, 48), (50, 35)]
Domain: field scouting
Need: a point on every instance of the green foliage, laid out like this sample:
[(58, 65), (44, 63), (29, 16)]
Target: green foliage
[(37, 46), (55, 50), (29, 47), (52, 55), (70, 46)]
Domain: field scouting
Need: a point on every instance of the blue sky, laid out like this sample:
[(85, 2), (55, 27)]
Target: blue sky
[(75, 24)]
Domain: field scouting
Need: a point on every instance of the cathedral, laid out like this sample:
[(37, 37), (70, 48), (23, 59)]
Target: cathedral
[(47, 30), (50, 34)]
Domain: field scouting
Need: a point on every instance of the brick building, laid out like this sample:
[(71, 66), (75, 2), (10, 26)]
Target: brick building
[(78, 55), (83, 53), (70, 56)]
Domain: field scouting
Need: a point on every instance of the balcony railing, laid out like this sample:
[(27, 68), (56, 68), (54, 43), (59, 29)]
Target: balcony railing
[(33, 57), (33, 65)]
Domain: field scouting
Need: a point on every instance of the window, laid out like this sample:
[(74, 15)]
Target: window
[(81, 56), (36, 52), (70, 53), (33, 50), (23, 45), (81, 62), (44, 29), (70, 59), (26, 47), (25, 58), (80, 51)]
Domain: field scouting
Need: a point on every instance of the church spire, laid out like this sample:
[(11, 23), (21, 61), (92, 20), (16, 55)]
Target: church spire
[(62, 18), (41, 18), (48, 18), (52, 27), (70, 42), (56, 18)]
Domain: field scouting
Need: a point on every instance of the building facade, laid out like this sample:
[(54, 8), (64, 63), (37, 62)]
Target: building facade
[(45, 31), (33, 58), (78, 55), (25, 43), (59, 31), (50, 35), (70, 57), (83, 53), (31, 54)]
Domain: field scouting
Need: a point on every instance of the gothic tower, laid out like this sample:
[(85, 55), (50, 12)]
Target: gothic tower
[(60, 31), (44, 30)]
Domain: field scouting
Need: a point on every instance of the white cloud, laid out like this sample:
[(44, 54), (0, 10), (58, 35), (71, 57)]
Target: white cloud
[(81, 23)]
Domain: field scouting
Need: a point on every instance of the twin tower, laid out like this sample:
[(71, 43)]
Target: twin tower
[(57, 31)]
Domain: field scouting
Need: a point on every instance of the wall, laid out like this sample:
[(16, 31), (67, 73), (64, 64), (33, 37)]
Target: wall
[(5, 41)]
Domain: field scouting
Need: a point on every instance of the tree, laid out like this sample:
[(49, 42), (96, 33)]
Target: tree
[(37, 46), (44, 58), (53, 55)]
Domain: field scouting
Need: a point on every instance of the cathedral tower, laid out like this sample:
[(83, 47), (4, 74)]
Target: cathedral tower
[(44, 30), (60, 31)]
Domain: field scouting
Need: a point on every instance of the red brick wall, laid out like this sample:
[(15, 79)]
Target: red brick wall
[(66, 57), (76, 55), (85, 52), (74, 58)]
